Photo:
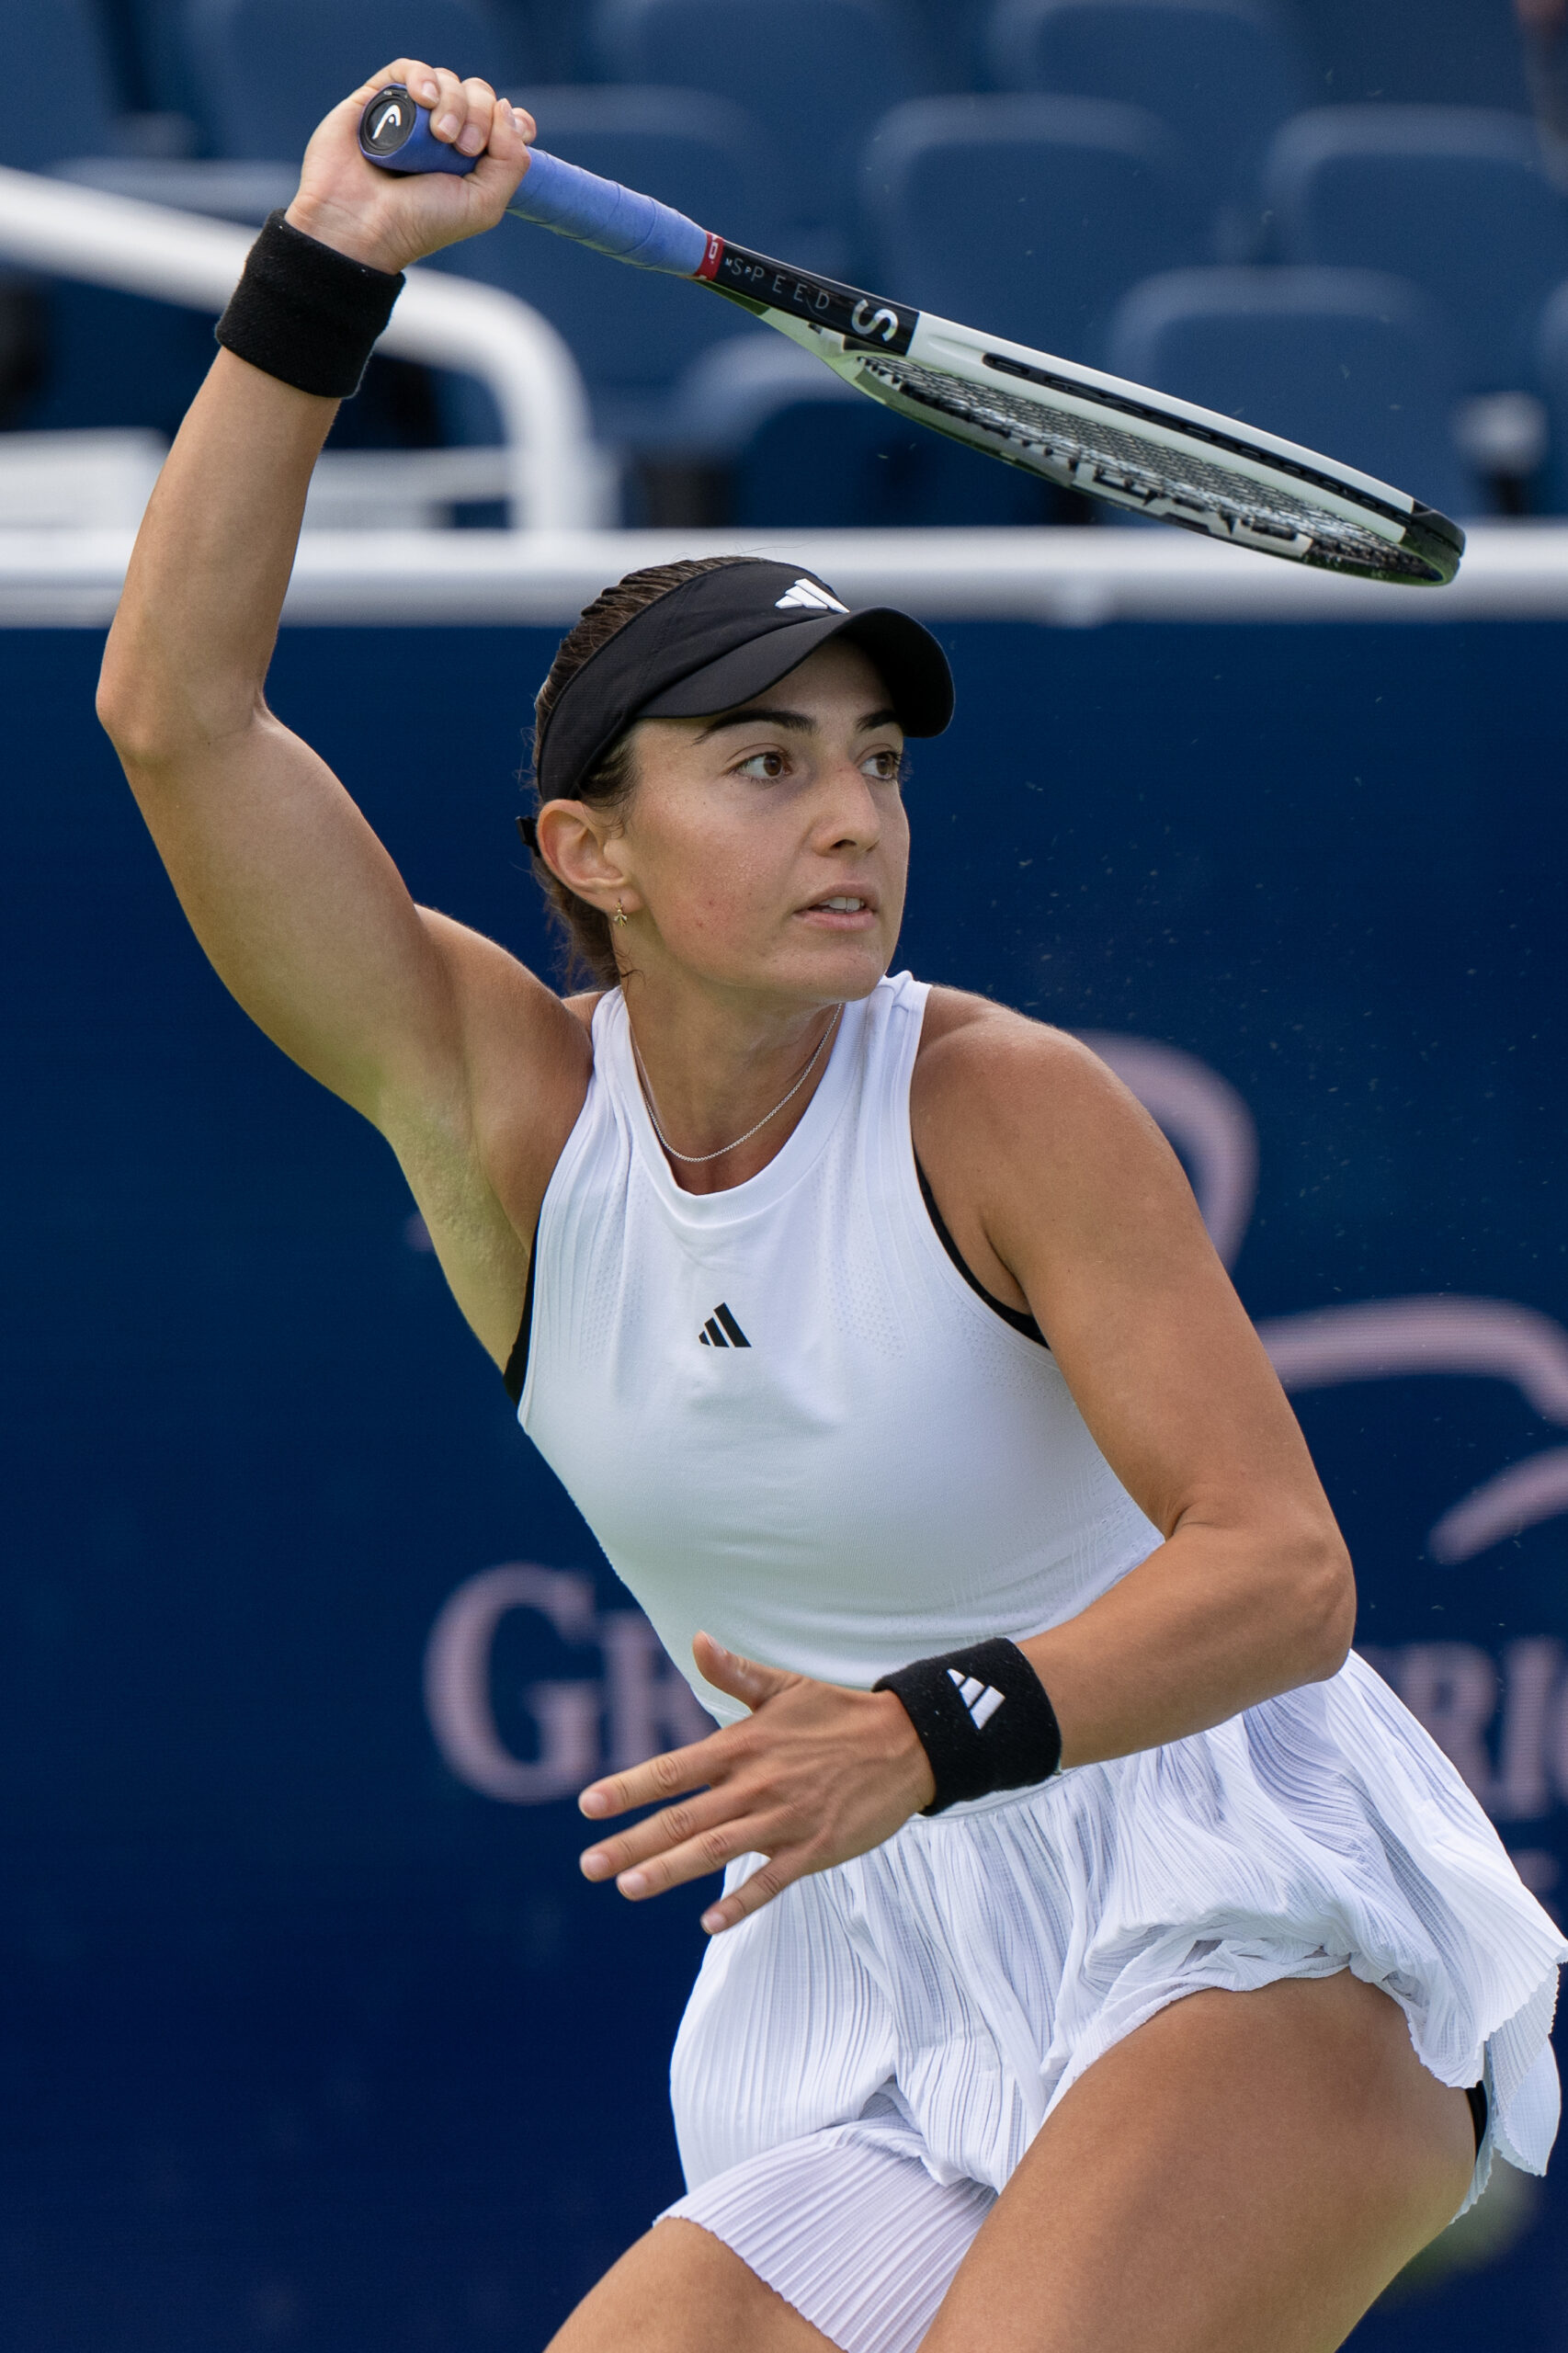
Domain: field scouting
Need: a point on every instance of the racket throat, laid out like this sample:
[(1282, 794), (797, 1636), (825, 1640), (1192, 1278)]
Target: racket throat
[(852, 319)]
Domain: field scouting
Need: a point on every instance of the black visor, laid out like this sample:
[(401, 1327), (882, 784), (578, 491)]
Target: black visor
[(720, 639)]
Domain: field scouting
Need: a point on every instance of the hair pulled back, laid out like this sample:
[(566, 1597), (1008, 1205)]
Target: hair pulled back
[(583, 930)]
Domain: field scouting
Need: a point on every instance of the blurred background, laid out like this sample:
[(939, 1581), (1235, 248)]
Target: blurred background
[(1346, 218), (310, 2035)]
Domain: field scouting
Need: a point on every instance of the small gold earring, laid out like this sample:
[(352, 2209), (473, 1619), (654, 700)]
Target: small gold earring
[(619, 916)]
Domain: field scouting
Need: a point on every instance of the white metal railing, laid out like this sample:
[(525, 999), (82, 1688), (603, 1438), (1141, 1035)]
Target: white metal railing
[(1075, 578), (552, 472)]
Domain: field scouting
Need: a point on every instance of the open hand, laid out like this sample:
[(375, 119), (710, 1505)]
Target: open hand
[(390, 218), (816, 1773)]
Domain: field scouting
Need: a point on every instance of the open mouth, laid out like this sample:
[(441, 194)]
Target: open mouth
[(845, 903)]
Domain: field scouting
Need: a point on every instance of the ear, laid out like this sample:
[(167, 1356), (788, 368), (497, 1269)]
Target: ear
[(582, 847)]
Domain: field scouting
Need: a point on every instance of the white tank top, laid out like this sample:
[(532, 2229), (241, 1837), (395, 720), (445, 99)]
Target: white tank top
[(782, 1410)]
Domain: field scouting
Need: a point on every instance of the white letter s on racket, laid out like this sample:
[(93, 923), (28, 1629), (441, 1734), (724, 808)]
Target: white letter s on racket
[(884, 320)]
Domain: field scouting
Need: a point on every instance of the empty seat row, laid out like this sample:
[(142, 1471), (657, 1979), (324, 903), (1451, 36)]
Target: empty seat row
[(1031, 214), (1157, 133), (1032, 217), (1348, 361), (1221, 74)]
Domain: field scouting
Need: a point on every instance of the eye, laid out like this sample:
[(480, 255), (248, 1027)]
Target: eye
[(767, 766), (886, 766)]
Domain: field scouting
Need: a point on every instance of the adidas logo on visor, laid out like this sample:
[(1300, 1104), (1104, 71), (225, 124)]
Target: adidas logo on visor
[(806, 594), (982, 1700)]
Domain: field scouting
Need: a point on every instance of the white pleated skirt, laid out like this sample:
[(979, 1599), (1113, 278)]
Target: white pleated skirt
[(864, 2062)]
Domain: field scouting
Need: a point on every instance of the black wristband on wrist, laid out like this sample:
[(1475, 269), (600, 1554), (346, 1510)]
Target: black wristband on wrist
[(983, 1718), (306, 314)]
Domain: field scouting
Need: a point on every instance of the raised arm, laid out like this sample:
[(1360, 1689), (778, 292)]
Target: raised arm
[(465, 1063)]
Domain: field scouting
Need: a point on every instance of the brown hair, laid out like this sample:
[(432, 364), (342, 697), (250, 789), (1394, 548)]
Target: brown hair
[(584, 931)]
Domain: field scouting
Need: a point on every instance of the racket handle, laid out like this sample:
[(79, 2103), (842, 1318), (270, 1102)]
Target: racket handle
[(395, 133), (612, 219)]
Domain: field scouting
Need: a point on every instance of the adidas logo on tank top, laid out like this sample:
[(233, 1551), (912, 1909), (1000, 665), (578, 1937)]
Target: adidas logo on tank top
[(721, 1331), (982, 1700)]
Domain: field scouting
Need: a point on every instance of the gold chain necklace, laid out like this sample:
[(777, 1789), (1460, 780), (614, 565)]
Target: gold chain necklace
[(694, 1159)]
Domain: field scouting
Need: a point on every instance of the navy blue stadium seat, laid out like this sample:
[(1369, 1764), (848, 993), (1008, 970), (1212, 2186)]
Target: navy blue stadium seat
[(817, 73), (801, 450), (1028, 217), (1414, 53), (60, 97), (1220, 74), (553, 35), (633, 331), (1353, 363), (150, 36), (1454, 198), (265, 72)]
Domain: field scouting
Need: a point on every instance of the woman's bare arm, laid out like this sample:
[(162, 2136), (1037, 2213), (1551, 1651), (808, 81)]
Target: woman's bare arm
[(1061, 1191), (436, 1036)]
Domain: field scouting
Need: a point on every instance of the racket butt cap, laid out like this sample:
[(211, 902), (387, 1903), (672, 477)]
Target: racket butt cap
[(395, 135)]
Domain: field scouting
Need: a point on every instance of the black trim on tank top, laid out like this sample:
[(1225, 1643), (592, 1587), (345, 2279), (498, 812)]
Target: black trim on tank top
[(1476, 2095), (517, 1371), (1018, 1317)]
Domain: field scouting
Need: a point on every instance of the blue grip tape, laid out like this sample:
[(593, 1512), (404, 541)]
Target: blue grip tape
[(395, 134), (612, 219)]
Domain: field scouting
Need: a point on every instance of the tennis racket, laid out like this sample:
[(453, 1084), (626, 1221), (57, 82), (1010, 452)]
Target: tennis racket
[(1134, 447)]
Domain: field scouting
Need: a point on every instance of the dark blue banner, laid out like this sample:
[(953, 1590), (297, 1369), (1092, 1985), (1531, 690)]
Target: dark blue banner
[(310, 2034)]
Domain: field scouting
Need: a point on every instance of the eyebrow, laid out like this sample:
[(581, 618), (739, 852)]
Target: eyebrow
[(796, 722)]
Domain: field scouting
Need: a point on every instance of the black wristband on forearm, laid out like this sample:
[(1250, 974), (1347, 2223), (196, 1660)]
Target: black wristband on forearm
[(983, 1718), (306, 314)]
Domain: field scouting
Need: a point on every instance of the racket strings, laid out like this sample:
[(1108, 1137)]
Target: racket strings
[(1148, 476)]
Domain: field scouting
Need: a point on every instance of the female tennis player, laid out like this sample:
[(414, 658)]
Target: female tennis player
[(1105, 1957)]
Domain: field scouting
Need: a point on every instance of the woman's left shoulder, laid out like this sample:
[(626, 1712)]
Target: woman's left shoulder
[(976, 1056), (1007, 1116)]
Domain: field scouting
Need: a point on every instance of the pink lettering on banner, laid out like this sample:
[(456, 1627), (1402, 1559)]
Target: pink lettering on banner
[(1503, 1722), (584, 1726)]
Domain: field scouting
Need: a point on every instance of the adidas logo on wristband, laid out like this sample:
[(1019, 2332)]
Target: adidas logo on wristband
[(982, 1700), (1022, 1743)]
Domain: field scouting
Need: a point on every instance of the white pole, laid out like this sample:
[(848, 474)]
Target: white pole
[(71, 231)]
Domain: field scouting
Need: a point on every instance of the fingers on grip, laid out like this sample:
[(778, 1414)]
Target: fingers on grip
[(414, 73), (467, 115), (474, 136)]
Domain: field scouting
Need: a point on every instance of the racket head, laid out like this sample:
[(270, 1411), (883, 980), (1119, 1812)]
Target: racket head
[(1128, 445)]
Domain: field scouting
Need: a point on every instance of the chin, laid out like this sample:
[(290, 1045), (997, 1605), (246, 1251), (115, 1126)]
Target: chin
[(819, 967), (847, 969)]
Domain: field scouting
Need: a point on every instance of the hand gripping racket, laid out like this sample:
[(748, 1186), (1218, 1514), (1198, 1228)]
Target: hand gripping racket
[(1137, 448)]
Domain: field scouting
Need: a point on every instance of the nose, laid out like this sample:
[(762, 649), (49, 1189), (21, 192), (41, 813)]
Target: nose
[(851, 817)]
